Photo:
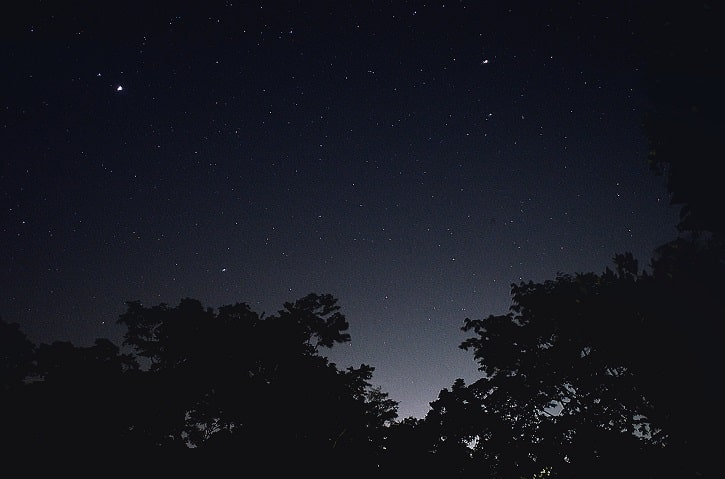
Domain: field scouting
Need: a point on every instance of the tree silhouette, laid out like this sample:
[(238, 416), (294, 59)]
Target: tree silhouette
[(202, 388), (590, 375), (684, 122), (684, 125), (617, 374), (235, 381)]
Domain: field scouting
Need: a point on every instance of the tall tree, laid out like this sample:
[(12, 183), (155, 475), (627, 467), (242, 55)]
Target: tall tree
[(681, 42), (234, 381), (588, 375)]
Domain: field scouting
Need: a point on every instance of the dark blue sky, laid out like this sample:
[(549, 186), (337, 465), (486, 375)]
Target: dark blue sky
[(413, 159)]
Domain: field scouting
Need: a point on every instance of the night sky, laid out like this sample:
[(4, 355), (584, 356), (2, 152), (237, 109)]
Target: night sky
[(414, 159)]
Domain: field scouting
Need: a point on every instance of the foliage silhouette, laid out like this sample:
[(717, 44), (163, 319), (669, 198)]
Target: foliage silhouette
[(684, 125), (590, 375), (614, 374), (684, 122), (217, 387)]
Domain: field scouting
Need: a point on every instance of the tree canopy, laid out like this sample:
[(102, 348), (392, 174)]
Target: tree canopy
[(684, 122), (596, 375), (592, 375), (200, 384)]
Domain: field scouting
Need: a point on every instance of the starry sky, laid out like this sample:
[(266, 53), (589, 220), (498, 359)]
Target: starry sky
[(414, 159)]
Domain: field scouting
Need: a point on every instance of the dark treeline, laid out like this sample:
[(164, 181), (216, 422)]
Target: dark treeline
[(588, 375), (611, 374), (198, 384)]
